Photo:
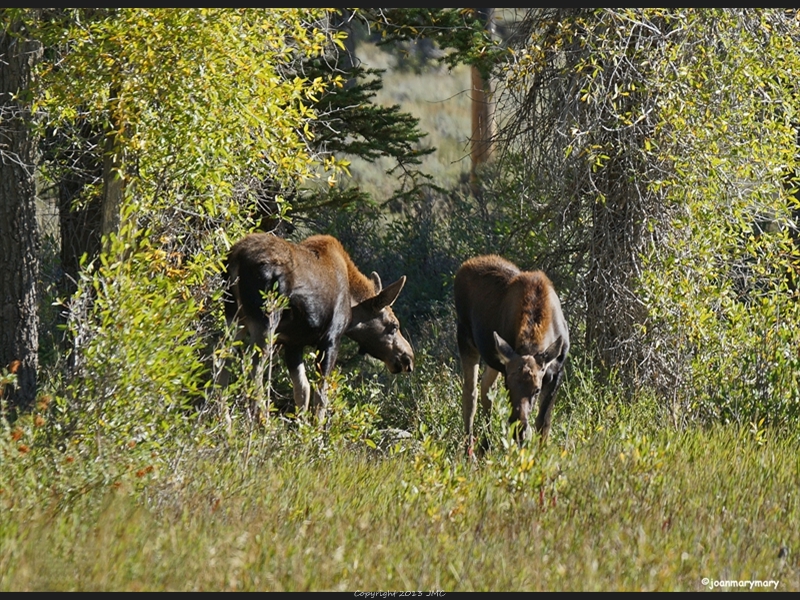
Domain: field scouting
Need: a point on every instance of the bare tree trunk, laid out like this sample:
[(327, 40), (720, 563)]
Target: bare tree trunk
[(482, 112), (112, 183), (613, 312), (19, 231)]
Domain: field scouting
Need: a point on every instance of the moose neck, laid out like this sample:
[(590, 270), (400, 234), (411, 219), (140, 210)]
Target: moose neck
[(535, 314), (361, 286)]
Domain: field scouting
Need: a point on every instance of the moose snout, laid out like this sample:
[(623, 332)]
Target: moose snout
[(519, 420), (403, 364), (521, 429)]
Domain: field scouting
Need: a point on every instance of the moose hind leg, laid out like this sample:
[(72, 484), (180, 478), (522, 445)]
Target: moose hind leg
[(469, 398), (263, 344), (301, 389)]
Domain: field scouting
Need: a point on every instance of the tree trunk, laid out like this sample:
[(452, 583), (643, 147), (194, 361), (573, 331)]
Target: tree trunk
[(19, 231), (482, 112), (112, 183), (613, 310), (79, 214)]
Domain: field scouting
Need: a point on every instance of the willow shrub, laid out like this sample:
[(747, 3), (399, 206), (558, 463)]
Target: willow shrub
[(720, 282)]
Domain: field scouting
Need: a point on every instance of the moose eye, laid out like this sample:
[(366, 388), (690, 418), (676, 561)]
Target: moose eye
[(391, 328)]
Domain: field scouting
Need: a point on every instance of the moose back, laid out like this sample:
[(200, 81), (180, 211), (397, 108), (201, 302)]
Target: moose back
[(511, 319), (327, 297)]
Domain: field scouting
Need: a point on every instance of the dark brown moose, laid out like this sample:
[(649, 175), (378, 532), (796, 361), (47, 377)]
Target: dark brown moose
[(327, 297), (512, 320)]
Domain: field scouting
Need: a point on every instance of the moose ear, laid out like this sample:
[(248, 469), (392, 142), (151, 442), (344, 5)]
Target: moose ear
[(376, 280), (388, 295), (504, 350), (553, 350)]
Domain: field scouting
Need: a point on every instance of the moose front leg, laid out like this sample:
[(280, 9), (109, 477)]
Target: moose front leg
[(487, 381), (262, 355), (550, 385), (326, 358)]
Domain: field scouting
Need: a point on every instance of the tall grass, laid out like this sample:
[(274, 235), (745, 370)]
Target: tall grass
[(614, 501)]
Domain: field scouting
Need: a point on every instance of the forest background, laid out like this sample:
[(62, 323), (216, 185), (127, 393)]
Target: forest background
[(646, 159)]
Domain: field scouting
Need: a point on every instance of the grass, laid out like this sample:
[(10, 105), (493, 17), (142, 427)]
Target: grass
[(585, 521), (613, 502)]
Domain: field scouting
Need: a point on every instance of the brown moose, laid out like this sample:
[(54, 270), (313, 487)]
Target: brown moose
[(512, 320), (327, 297)]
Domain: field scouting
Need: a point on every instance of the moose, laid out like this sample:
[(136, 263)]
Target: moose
[(512, 320), (326, 297)]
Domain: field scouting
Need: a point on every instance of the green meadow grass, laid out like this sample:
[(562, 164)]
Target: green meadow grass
[(614, 501)]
